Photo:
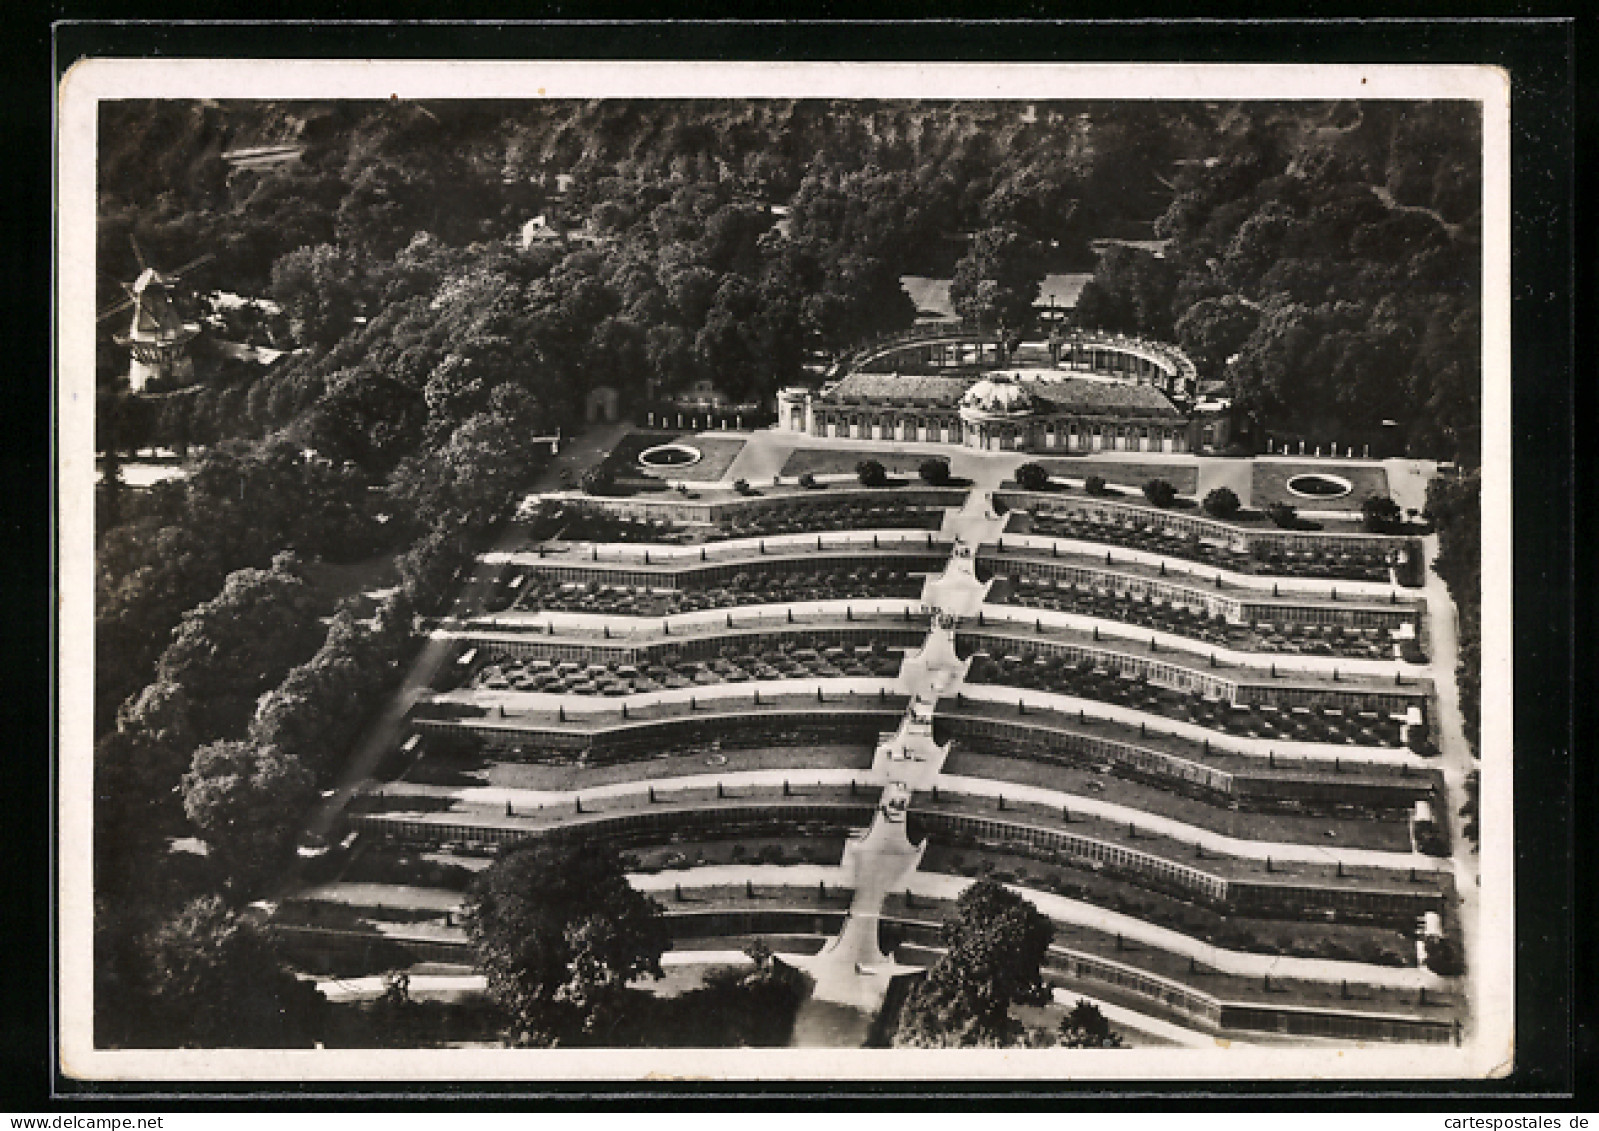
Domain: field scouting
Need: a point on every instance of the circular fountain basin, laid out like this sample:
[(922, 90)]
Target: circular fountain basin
[(669, 456), (1319, 485)]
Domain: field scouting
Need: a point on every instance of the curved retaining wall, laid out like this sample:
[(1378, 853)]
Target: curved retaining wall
[(722, 820), (1242, 896), (1207, 1011), (709, 728), (1240, 538), (1039, 741), (1396, 699), (669, 507)]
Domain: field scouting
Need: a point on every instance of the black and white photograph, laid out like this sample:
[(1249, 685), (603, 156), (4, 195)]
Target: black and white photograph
[(821, 571)]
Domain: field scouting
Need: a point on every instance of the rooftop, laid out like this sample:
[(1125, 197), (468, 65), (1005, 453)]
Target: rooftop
[(1063, 393)]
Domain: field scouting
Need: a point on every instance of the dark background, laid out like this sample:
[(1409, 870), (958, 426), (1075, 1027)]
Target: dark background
[(1555, 1034)]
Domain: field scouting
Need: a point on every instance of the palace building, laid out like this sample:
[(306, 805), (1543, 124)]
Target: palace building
[(1122, 395)]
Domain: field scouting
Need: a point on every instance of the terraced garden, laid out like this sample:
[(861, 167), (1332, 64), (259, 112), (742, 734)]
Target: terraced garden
[(1296, 826)]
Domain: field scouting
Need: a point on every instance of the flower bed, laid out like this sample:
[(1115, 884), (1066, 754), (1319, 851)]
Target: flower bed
[(1083, 679), (845, 516), (1286, 639), (737, 663), (542, 593)]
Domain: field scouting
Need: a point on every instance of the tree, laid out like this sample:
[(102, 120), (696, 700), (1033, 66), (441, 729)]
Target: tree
[(1095, 485), (1131, 291), (1213, 329), (1444, 957), (1085, 1027), (994, 951), (232, 648), (559, 934), (320, 289), (216, 982), (1454, 509), (1032, 477), (246, 801), (871, 473), (1222, 503), (996, 282), (1381, 515), (1160, 492), (934, 472)]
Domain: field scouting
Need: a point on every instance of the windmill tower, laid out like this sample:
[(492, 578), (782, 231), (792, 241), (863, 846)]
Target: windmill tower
[(157, 337)]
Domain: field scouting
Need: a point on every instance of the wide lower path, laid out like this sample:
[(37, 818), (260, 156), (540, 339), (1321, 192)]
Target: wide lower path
[(1279, 850)]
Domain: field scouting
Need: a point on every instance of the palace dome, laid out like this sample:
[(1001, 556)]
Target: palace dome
[(999, 396)]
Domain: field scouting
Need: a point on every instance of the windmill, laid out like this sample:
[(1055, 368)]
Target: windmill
[(157, 336)]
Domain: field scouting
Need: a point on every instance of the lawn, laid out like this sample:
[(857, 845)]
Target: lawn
[(823, 461), (1269, 484), (717, 452), (532, 775), (1184, 477)]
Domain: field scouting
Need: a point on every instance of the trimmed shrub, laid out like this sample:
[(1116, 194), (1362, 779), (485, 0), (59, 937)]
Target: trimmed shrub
[(1381, 515), (1032, 477), (1160, 492), (934, 472), (1222, 503), (871, 473)]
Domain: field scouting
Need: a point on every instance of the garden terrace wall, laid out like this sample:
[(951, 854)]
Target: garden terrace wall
[(1176, 999), (787, 558), (901, 633), (1390, 904), (618, 740), (798, 503), (1164, 669), (765, 921), (1051, 738), (1040, 741), (1237, 538), (1237, 608), (715, 820)]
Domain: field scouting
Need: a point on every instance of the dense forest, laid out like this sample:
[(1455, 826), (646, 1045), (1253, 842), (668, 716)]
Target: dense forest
[(1321, 260)]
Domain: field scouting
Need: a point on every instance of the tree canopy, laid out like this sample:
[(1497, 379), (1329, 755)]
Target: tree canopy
[(559, 934), (994, 951), (1085, 1027), (996, 282), (215, 982)]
